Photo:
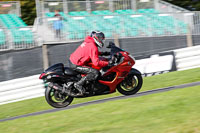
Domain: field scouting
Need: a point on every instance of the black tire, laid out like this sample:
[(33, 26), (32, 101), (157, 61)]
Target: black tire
[(53, 99), (133, 81)]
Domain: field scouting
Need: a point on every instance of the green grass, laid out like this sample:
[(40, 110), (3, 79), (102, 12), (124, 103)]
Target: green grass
[(176, 111), (154, 82)]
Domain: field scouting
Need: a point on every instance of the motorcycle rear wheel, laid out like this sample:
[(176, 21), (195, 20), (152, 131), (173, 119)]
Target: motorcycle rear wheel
[(130, 85), (56, 99)]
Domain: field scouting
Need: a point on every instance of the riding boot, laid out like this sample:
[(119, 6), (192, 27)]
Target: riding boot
[(79, 86)]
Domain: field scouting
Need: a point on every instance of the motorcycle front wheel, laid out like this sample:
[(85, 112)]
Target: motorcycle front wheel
[(56, 99), (130, 85)]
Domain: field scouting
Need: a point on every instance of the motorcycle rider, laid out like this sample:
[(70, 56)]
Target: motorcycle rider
[(85, 53)]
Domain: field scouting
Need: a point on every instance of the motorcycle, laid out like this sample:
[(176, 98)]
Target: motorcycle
[(120, 76)]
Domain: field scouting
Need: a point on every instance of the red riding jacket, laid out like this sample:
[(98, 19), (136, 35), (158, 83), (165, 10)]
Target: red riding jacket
[(87, 52)]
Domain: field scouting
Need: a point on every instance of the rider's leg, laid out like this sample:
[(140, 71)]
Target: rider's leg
[(92, 74)]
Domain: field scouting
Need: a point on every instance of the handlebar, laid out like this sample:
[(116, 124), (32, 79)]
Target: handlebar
[(116, 59)]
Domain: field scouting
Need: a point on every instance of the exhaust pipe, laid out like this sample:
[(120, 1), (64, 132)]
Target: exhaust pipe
[(55, 86)]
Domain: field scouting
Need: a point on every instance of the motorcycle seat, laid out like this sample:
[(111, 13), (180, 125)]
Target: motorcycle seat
[(69, 71)]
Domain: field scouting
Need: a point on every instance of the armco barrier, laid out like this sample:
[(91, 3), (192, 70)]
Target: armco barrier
[(21, 89), (156, 64), (32, 87), (187, 58)]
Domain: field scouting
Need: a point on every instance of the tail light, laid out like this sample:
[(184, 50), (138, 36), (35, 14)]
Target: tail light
[(42, 75)]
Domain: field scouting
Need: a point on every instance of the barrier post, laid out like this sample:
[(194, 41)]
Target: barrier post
[(189, 37), (116, 40), (45, 56)]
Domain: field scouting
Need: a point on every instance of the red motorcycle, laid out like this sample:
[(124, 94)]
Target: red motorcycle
[(59, 80)]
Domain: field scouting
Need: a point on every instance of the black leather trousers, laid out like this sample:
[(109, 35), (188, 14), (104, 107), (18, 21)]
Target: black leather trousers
[(92, 74)]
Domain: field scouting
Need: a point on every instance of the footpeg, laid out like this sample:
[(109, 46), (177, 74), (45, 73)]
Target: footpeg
[(67, 87)]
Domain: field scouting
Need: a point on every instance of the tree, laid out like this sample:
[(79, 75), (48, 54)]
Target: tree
[(28, 10), (193, 5)]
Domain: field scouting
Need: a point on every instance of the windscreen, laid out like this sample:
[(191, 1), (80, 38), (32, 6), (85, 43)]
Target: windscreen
[(115, 49)]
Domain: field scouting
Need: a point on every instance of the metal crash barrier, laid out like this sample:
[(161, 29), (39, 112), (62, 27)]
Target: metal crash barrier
[(21, 89)]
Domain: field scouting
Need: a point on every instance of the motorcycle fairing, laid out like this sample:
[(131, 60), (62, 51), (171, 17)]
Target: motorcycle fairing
[(118, 78), (122, 69)]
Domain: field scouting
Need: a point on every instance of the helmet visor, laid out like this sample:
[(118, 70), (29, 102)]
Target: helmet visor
[(99, 43)]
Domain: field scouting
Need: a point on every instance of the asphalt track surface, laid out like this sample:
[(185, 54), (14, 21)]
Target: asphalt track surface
[(105, 100)]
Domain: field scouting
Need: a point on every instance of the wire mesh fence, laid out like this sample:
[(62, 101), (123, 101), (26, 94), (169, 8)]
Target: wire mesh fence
[(68, 28), (116, 18), (17, 38), (71, 6), (124, 25)]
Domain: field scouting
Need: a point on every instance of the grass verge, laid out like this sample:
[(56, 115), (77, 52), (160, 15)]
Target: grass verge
[(154, 82), (176, 111)]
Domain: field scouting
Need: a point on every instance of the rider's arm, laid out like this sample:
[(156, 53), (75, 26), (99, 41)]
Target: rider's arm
[(105, 53), (94, 55)]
